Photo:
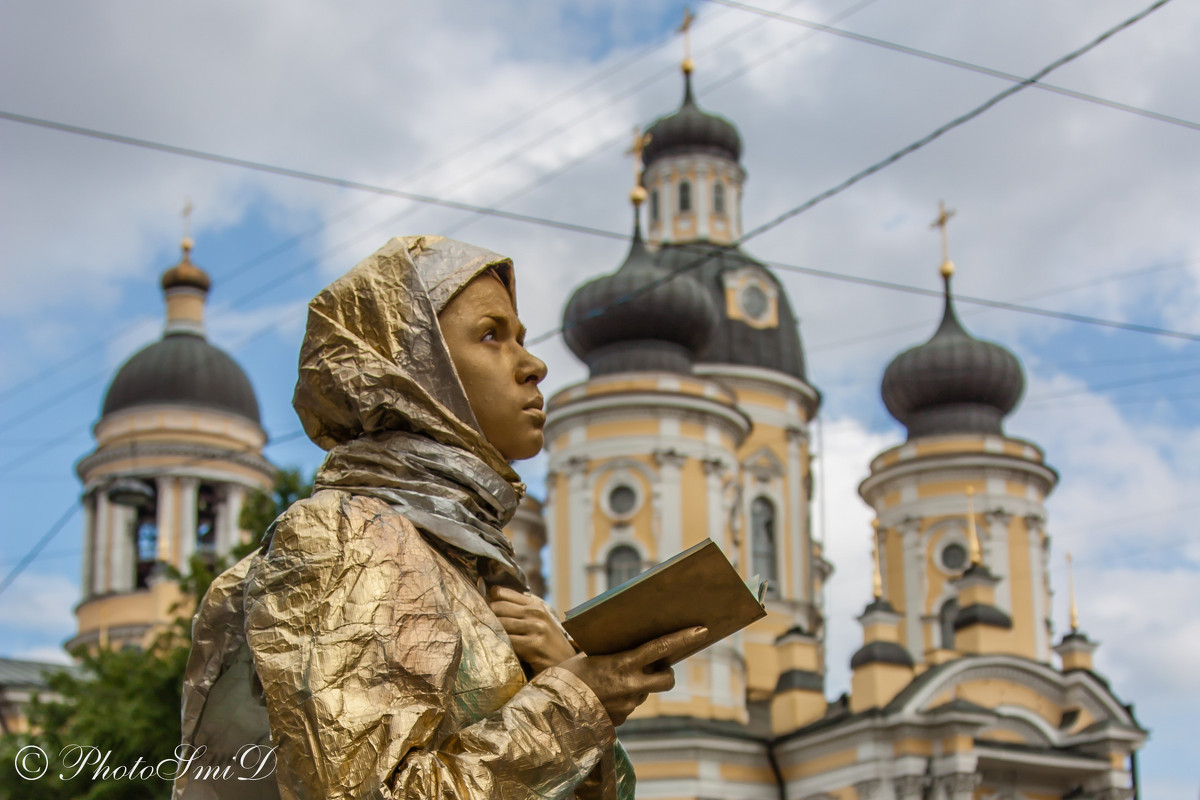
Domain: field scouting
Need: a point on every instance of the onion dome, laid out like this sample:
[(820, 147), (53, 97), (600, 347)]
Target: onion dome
[(639, 317), (733, 340), (182, 368), (954, 383), (690, 130)]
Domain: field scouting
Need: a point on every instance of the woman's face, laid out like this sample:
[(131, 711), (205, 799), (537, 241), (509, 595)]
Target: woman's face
[(500, 376)]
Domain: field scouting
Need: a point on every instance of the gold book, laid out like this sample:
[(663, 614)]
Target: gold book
[(697, 587)]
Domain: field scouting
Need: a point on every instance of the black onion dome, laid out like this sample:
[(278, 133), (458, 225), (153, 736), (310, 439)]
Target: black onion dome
[(690, 130), (183, 369), (733, 341), (954, 383), (615, 323)]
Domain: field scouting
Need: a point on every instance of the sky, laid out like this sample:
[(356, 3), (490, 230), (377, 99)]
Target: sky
[(1063, 204)]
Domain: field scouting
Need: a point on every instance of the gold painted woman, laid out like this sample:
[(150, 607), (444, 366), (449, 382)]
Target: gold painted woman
[(382, 643)]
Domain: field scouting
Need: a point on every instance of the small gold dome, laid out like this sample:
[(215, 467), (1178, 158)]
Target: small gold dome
[(947, 268), (185, 273), (638, 195)]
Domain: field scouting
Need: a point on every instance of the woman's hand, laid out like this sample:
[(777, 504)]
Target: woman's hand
[(623, 681), (536, 635)]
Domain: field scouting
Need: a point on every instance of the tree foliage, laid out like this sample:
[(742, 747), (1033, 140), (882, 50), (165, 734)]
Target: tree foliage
[(126, 702)]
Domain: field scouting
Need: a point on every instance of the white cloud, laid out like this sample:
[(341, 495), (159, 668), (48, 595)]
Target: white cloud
[(42, 602)]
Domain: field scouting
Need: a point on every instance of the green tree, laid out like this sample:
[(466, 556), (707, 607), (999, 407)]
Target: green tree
[(127, 702)]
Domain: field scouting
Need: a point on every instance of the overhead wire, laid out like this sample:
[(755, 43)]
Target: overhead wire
[(439, 163), (54, 529), (957, 63), (345, 244), (861, 175)]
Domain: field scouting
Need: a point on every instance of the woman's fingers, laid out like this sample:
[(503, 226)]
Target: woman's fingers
[(664, 647), (511, 610), (503, 593), (655, 682)]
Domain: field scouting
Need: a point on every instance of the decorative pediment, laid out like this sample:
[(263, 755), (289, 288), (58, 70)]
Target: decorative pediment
[(1033, 703), (763, 464)]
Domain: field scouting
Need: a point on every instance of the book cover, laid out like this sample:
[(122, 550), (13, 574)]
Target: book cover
[(696, 587)]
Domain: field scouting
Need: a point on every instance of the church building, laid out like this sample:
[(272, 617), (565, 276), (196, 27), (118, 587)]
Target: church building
[(694, 422)]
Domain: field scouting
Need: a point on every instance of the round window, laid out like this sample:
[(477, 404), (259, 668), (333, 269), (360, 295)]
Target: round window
[(622, 499), (754, 301), (954, 556)]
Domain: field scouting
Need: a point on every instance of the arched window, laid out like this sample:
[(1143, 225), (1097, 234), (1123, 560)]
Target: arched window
[(623, 563), (685, 196), (946, 618), (762, 542), (654, 205), (719, 198), (145, 542), (206, 521)]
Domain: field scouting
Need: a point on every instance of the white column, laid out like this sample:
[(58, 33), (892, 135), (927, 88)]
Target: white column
[(549, 517), (998, 559), (581, 509), (102, 545), (700, 200), (188, 491), (797, 583), (168, 515), (670, 464), (717, 511), (123, 549), (228, 534), (914, 586), (89, 545), (1037, 585)]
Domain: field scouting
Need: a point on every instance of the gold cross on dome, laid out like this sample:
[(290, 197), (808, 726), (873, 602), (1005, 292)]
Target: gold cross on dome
[(686, 29), (640, 140), (188, 208), (942, 222)]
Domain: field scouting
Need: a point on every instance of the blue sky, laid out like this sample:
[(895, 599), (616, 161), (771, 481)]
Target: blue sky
[(1062, 204)]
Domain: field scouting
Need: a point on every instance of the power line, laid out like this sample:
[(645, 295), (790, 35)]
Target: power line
[(39, 546), (958, 63), (874, 168), (45, 539), (540, 181), (817, 199), (982, 301), (244, 268)]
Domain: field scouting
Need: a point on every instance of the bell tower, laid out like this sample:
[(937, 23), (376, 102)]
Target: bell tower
[(961, 505), (178, 446)]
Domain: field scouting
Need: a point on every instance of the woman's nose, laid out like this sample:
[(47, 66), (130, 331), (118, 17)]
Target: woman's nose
[(532, 369)]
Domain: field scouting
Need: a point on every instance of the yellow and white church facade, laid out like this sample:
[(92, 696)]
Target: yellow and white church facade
[(695, 423)]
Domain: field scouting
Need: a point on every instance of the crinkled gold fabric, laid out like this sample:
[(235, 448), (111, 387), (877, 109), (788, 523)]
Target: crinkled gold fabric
[(357, 640)]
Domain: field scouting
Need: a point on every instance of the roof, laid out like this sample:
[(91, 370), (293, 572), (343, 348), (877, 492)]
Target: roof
[(17, 673), (691, 130), (953, 383), (184, 369), (733, 341)]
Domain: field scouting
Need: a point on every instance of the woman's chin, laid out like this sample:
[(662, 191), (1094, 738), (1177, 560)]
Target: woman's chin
[(526, 449)]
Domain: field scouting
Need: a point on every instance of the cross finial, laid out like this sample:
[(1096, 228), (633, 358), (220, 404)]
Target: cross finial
[(188, 208), (686, 29), (1071, 593), (877, 577), (942, 222), (640, 140), (972, 534)]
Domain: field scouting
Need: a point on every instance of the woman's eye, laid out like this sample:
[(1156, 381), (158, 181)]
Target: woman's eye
[(489, 336)]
